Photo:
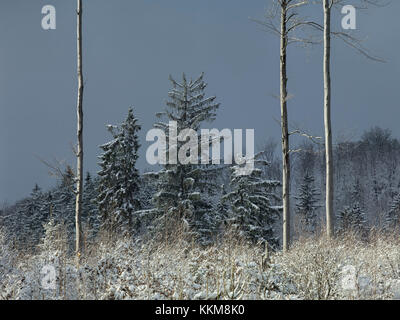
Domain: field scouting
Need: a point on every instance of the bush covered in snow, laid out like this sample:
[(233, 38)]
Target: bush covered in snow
[(177, 268)]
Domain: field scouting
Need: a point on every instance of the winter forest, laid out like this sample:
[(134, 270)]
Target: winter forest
[(314, 211)]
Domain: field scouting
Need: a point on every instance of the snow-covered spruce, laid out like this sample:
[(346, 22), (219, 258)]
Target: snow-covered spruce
[(118, 182), (307, 203), (393, 215), (253, 204), (183, 189), (352, 218), (90, 212)]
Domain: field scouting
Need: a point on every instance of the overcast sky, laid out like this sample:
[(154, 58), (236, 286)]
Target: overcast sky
[(130, 48)]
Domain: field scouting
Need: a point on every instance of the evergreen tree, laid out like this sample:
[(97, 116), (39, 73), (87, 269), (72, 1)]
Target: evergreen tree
[(183, 188), (253, 211), (64, 201), (90, 215), (357, 193), (307, 203), (53, 251), (352, 218), (14, 223), (118, 182), (222, 208), (393, 215), (33, 219), (48, 208)]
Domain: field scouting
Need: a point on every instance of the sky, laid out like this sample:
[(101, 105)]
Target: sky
[(131, 47)]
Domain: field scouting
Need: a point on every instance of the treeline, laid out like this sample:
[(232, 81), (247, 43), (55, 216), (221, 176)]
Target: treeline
[(198, 200), (367, 180), (360, 178), (203, 201)]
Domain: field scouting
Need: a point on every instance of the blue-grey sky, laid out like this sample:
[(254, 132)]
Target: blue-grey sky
[(130, 48)]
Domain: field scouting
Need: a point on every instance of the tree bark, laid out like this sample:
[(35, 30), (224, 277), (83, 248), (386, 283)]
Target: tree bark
[(327, 120), (284, 126), (79, 155)]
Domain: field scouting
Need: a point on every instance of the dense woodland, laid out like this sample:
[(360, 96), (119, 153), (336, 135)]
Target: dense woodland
[(139, 250), (119, 199)]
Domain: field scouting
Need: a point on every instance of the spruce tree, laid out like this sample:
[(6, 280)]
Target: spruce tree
[(222, 209), (118, 182), (64, 201), (32, 210), (253, 210), (307, 203), (90, 215), (393, 215), (352, 218), (48, 208), (182, 188)]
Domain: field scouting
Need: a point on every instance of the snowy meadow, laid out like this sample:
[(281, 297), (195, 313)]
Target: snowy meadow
[(314, 268)]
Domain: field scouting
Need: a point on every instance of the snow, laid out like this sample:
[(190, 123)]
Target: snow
[(230, 269)]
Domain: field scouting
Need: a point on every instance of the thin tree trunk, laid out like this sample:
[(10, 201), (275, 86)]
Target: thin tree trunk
[(79, 155), (285, 134), (327, 119)]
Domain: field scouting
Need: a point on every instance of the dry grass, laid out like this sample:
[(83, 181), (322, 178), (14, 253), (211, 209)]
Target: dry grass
[(177, 268)]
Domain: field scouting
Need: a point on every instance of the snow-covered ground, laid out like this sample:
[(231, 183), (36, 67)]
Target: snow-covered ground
[(176, 269)]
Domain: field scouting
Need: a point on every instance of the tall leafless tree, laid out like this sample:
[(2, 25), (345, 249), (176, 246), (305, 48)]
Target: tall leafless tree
[(353, 42), (79, 151), (327, 119), (288, 24), (284, 126)]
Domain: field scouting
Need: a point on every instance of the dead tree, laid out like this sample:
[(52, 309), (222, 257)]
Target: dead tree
[(289, 22), (327, 119), (79, 151), (354, 43)]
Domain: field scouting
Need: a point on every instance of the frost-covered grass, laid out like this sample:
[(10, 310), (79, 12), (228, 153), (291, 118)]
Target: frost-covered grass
[(314, 268)]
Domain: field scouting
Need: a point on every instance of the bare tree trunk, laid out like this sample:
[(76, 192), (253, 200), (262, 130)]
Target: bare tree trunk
[(79, 154), (327, 119), (284, 126)]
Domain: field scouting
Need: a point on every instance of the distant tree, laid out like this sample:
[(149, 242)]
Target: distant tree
[(307, 203), (357, 192), (379, 139), (268, 153), (353, 218), (119, 178), (90, 213), (64, 199), (63, 203), (49, 205), (33, 219), (306, 157), (393, 215), (222, 208)]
